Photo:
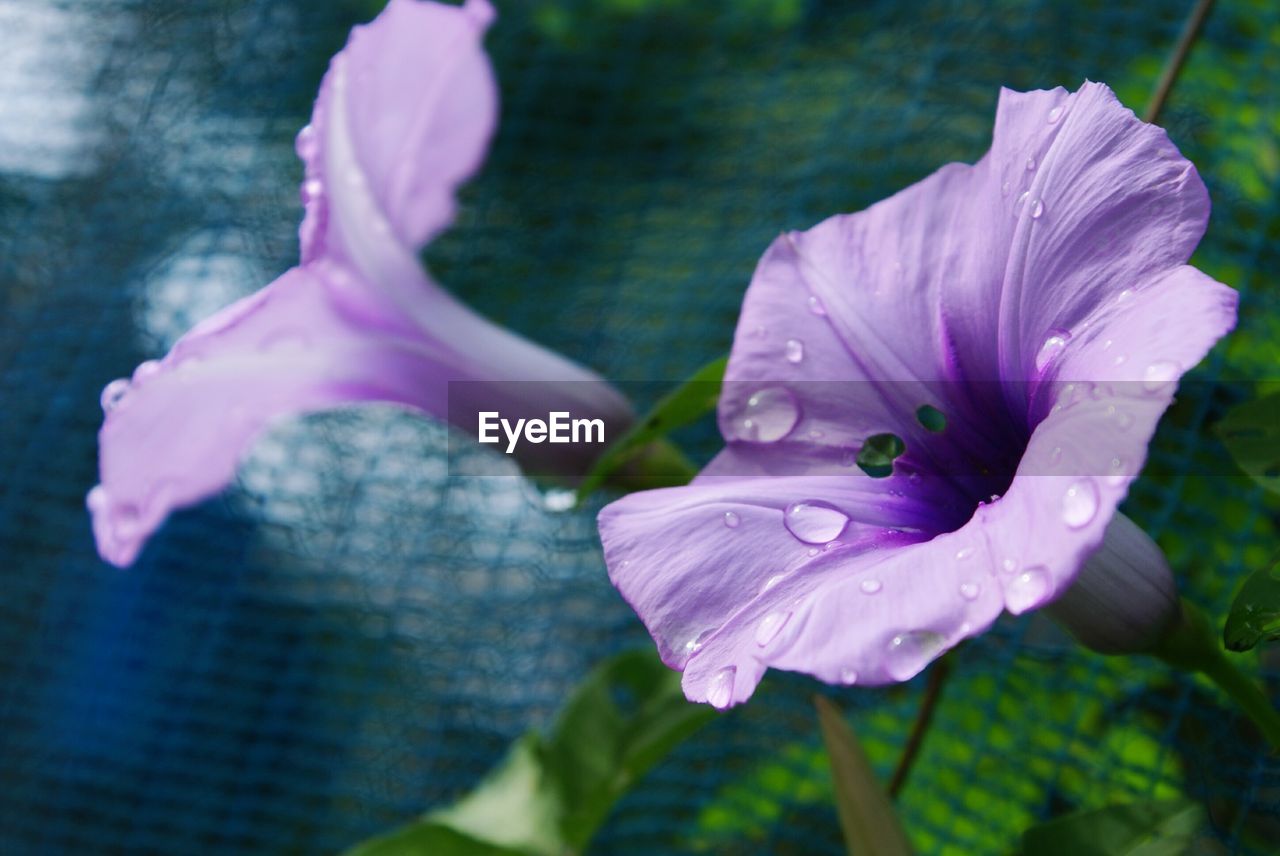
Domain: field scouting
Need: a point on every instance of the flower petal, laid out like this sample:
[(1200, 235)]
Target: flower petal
[(403, 117), (175, 433)]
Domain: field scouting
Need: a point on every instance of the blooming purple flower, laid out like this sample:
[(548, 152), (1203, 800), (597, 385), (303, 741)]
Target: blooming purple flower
[(403, 116), (1037, 300)]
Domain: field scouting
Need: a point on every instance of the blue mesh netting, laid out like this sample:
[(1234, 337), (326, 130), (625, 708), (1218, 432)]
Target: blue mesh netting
[(351, 634)]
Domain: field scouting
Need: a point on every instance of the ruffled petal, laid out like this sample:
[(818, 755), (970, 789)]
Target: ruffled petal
[(311, 340)]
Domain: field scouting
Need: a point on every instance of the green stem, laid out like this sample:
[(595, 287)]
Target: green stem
[(1192, 645), (659, 464)]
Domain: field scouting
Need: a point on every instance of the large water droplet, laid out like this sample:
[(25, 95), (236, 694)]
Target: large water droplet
[(970, 591), (1027, 590), (1037, 209), (720, 692), (1080, 503), (1159, 376), (770, 627), (815, 305), (910, 652), (870, 586), (1052, 347), (731, 519), (767, 416), (114, 393), (814, 521), (794, 351)]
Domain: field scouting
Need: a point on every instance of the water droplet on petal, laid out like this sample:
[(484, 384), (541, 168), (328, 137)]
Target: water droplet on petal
[(1052, 347), (1021, 203), (1031, 164), (720, 692), (1055, 457), (815, 305), (114, 393), (1037, 209), (770, 627), (1080, 503), (145, 369), (970, 591), (695, 644), (312, 189), (96, 499), (870, 586), (794, 351), (731, 519), (1123, 418), (814, 521), (910, 652), (1029, 589), (1010, 565), (1159, 376), (1117, 472), (964, 553), (1004, 189), (1055, 114), (767, 416), (848, 676), (306, 144), (771, 582)]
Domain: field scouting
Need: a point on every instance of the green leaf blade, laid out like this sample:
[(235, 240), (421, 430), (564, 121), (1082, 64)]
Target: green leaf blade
[(1153, 828), (1255, 612)]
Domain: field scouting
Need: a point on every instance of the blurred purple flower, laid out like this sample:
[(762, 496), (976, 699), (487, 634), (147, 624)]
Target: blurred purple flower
[(1040, 301), (403, 116)]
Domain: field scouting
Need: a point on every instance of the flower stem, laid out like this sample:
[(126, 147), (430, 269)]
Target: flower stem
[(659, 464), (1173, 66), (938, 675), (1192, 645)]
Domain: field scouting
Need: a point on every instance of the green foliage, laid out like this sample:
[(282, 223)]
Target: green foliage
[(685, 404), (1157, 828), (1251, 433), (877, 454), (867, 817), (550, 795), (1255, 613)]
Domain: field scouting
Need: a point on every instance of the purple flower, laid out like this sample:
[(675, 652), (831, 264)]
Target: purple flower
[(1040, 303), (403, 117)]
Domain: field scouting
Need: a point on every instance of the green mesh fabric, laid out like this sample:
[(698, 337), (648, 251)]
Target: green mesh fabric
[(350, 634)]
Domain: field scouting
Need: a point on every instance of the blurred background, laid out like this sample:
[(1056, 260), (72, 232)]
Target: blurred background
[(351, 635)]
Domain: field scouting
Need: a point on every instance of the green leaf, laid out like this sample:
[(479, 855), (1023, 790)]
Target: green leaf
[(549, 796), (1255, 613), (685, 404), (878, 453), (866, 815), (1251, 433), (1155, 828)]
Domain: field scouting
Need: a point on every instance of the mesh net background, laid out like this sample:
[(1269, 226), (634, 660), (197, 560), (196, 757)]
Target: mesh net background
[(350, 635)]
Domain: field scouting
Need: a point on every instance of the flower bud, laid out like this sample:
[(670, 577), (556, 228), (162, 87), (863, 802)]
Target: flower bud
[(1124, 599)]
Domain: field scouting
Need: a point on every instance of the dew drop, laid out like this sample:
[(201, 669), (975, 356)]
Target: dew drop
[(767, 416), (1159, 375), (1116, 473), (848, 676), (306, 144), (1055, 457), (312, 189), (814, 521), (815, 305), (1004, 189), (770, 627), (910, 652), (1037, 209), (970, 591), (1010, 565), (731, 519), (145, 369), (695, 644), (1080, 503), (794, 351), (1123, 418), (1027, 590), (870, 586), (1055, 114), (96, 500), (771, 582), (1021, 203), (113, 394), (964, 553), (1119, 360), (1052, 347), (1031, 164), (720, 692)]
